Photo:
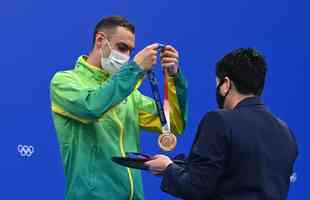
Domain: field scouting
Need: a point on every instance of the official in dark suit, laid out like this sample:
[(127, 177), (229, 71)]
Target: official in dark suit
[(242, 151)]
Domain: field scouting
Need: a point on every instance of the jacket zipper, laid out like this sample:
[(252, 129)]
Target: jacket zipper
[(121, 145)]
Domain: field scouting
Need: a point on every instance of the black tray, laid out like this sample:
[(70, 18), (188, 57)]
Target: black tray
[(137, 160)]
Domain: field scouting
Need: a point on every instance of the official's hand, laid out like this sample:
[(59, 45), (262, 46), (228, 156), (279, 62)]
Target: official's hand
[(158, 164), (169, 59), (147, 57)]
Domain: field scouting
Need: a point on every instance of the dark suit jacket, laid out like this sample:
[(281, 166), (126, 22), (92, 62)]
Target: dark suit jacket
[(240, 154)]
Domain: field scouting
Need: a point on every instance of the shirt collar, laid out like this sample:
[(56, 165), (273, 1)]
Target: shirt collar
[(250, 101), (91, 70)]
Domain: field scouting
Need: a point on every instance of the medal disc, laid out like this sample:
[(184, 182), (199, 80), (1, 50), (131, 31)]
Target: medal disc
[(167, 141)]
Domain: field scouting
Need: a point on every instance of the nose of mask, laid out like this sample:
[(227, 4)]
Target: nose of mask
[(114, 62)]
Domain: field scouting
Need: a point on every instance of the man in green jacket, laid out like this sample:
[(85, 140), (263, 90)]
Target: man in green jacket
[(98, 112)]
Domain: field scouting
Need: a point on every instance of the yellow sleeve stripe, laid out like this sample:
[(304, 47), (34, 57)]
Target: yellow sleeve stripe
[(176, 122), (149, 121), (139, 83), (60, 111)]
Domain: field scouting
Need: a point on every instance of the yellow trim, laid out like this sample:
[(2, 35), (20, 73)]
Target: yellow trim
[(83, 60), (176, 122), (61, 111), (138, 83), (149, 121), (121, 145)]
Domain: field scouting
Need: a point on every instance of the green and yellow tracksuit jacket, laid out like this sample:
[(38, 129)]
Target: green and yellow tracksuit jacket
[(98, 116)]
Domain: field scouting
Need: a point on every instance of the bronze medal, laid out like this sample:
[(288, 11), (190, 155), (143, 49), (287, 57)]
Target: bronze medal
[(167, 141)]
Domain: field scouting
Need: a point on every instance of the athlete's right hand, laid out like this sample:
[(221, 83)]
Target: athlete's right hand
[(147, 57)]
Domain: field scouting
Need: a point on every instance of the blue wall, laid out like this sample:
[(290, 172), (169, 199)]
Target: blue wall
[(39, 38)]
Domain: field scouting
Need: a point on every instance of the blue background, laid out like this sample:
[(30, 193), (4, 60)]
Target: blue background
[(39, 38)]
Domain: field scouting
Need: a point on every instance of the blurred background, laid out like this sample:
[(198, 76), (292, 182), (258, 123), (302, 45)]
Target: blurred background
[(39, 38)]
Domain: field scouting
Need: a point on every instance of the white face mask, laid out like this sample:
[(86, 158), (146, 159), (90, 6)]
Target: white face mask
[(114, 62)]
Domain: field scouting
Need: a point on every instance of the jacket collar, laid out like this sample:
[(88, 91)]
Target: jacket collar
[(90, 70), (250, 101)]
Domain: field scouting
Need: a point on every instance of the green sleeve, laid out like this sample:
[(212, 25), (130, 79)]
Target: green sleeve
[(79, 101)]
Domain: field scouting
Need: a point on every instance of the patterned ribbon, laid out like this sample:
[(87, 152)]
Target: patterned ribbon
[(162, 110)]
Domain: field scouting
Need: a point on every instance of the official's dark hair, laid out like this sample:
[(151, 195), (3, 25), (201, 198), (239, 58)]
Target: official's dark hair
[(246, 68), (109, 25)]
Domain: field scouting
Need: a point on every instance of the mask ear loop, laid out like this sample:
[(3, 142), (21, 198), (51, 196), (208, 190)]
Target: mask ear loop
[(219, 87), (228, 89), (109, 45), (220, 84)]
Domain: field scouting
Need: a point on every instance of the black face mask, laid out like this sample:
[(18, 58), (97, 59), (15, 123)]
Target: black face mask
[(219, 98)]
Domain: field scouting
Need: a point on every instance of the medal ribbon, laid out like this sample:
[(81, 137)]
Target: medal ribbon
[(166, 99), (163, 111)]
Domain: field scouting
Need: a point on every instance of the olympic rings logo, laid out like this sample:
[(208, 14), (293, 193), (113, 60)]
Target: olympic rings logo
[(25, 150)]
